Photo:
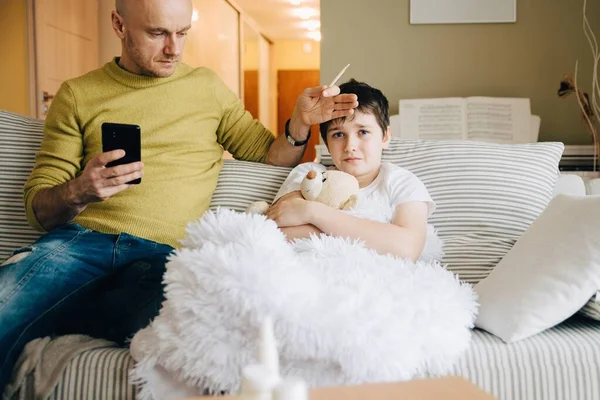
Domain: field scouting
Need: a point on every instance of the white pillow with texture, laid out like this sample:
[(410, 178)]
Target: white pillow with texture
[(548, 275)]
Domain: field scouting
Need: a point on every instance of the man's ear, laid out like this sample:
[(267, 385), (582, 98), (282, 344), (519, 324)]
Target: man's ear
[(117, 24), (386, 137)]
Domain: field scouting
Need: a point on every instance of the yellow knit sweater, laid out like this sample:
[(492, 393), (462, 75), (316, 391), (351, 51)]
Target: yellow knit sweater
[(186, 120)]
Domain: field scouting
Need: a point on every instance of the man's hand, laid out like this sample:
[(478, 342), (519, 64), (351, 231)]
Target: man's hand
[(320, 104), (290, 210), (313, 106), (98, 182), (60, 204)]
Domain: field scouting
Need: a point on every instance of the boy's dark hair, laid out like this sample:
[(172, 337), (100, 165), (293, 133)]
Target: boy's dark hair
[(370, 101)]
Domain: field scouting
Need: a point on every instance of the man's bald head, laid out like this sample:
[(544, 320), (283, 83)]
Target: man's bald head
[(124, 6)]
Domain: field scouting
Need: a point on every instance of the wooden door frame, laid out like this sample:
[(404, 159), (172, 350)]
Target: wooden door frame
[(310, 152), (32, 60), (36, 11)]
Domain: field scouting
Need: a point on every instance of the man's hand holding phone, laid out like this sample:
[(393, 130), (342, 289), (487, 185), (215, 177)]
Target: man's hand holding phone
[(98, 182), (114, 170)]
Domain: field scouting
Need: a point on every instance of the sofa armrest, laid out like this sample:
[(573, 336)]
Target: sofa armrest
[(592, 186), (569, 184)]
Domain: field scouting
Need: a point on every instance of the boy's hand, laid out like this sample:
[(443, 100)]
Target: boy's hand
[(290, 210), (296, 194)]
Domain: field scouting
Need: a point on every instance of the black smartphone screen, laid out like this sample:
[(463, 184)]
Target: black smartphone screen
[(122, 137)]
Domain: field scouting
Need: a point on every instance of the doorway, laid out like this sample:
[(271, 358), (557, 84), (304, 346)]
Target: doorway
[(64, 45), (290, 83)]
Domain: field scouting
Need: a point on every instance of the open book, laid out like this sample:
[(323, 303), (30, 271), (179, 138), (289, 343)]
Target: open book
[(488, 119)]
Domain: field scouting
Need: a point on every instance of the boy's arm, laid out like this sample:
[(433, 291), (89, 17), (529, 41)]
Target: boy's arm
[(300, 232), (404, 237)]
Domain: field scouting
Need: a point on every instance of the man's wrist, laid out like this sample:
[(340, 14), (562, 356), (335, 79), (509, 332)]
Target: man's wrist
[(298, 129), (292, 140), (70, 198)]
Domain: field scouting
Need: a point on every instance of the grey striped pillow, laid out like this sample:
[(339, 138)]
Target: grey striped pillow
[(97, 374), (486, 194), (20, 139), (592, 308), (242, 182)]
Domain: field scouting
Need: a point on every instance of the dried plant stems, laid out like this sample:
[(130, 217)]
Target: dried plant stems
[(590, 109)]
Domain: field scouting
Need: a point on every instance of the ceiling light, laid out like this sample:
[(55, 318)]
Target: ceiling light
[(294, 2), (305, 12), (194, 15), (316, 36), (311, 25)]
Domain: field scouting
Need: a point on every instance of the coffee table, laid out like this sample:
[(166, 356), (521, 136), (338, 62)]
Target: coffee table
[(447, 388)]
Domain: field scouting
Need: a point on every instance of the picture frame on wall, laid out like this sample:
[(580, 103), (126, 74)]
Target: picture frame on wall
[(462, 11)]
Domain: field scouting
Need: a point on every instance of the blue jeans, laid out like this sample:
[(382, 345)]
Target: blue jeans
[(75, 280)]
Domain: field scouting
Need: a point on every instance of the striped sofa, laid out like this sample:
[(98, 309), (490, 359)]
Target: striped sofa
[(560, 363)]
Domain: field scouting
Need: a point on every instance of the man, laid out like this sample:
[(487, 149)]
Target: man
[(102, 260)]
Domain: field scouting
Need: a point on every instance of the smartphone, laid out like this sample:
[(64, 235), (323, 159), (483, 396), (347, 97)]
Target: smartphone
[(123, 137)]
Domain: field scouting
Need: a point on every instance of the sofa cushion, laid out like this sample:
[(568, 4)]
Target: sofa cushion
[(242, 182), (592, 307), (486, 194), (20, 139)]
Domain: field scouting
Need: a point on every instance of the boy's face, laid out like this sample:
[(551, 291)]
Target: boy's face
[(356, 145)]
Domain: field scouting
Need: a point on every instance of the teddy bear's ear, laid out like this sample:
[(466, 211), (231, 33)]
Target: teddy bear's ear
[(350, 203), (312, 174)]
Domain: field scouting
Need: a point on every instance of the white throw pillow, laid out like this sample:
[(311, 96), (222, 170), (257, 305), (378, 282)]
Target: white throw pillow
[(548, 275)]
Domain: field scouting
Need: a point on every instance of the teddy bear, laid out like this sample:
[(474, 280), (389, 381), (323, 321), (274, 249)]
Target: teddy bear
[(334, 188)]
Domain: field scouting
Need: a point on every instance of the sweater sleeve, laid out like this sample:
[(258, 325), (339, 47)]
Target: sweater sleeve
[(239, 133), (61, 153)]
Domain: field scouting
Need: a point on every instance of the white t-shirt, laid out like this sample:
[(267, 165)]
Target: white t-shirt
[(393, 186)]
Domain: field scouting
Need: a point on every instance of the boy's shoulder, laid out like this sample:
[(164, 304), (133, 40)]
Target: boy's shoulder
[(393, 169), (394, 175)]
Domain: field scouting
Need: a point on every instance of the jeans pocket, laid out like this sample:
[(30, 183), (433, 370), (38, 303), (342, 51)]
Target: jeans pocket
[(18, 255)]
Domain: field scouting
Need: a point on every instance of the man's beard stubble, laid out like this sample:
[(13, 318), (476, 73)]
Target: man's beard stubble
[(137, 57)]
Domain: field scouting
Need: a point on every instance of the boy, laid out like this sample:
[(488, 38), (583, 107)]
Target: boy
[(393, 205)]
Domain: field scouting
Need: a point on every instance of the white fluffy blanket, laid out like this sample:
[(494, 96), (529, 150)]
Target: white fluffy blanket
[(342, 313)]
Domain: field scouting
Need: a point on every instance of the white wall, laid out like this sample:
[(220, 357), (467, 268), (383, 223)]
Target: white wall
[(524, 59)]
